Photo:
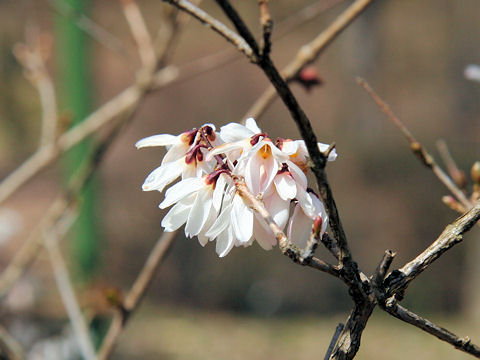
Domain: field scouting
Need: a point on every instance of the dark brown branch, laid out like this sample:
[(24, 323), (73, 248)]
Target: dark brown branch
[(329, 243), (398, 280), (267, 26), (382, 268), (463, 344), (216, 26), (239, 25), (348, 342), (335, 336)]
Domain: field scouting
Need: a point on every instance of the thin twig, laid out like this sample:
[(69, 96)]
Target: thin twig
[(418, 150), (285, 245), (90, 27), (33, 56), (240, 26), (9, 346), (457, 175), (398, 280), (67, 294), (215, 25), (140, 32), (136, 293), (463, 344), (308, 53)]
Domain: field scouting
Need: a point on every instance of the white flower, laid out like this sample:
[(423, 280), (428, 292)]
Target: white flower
[(206, 200), (185, 156), (298, 153), (304, 214), (197, 203)]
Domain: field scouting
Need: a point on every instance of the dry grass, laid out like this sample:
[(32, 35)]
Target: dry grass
[(185, 334)]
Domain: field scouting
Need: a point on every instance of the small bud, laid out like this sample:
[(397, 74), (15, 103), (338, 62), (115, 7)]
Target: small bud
[(453, 204), (309, 78), (317, 226), (475, 173)]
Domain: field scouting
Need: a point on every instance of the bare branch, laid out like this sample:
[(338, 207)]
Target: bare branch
[(417, 148), (286, 246), (136, 293), (67, 294), (90, 27), (215, 25), (140, 32), (33, 56), (457, 175), (398, 280), (267, 26), (335, 336), (308, 53), (463, 344), (239, 24)]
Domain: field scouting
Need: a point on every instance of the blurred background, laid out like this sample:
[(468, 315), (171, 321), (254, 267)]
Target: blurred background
[(252, 303)]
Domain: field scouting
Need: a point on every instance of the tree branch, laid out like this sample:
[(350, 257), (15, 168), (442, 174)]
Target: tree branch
[(308, 53), (398, 280), (463, 344), (215, 25)]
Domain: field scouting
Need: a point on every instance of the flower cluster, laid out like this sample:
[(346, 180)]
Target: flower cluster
[(206, 200)]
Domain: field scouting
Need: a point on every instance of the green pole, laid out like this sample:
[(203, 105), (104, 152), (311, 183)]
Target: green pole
[(75, 98)]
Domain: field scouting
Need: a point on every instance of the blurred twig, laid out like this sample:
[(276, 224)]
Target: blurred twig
[(136, 293), (96, 32), (215, 25), (309, 53), (140, 32), (67, 294), (32, 55), (418, 150), (457, 175)]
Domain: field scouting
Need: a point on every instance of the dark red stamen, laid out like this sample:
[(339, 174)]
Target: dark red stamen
[(194, 154), (209, 133), (213, 176), (283, 169), (256, 138)]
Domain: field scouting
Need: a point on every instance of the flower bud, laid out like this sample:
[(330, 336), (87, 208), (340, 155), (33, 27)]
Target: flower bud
[(317, 226), (475, 173)]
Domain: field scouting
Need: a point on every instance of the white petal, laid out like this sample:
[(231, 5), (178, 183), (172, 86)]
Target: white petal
[(225, 242), (278, 208), (199, 213), (234, 132), (324, 147), (226, 148), (163, 175), (252, 175), (157, 140), (299, 228), (177, 216), (175, 152), (285, 185), (251, 125), (242, 220), (222, 222), (264, 236), (180, 190), (306, 203), (297, 174), (219, 191), (289, 147)]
